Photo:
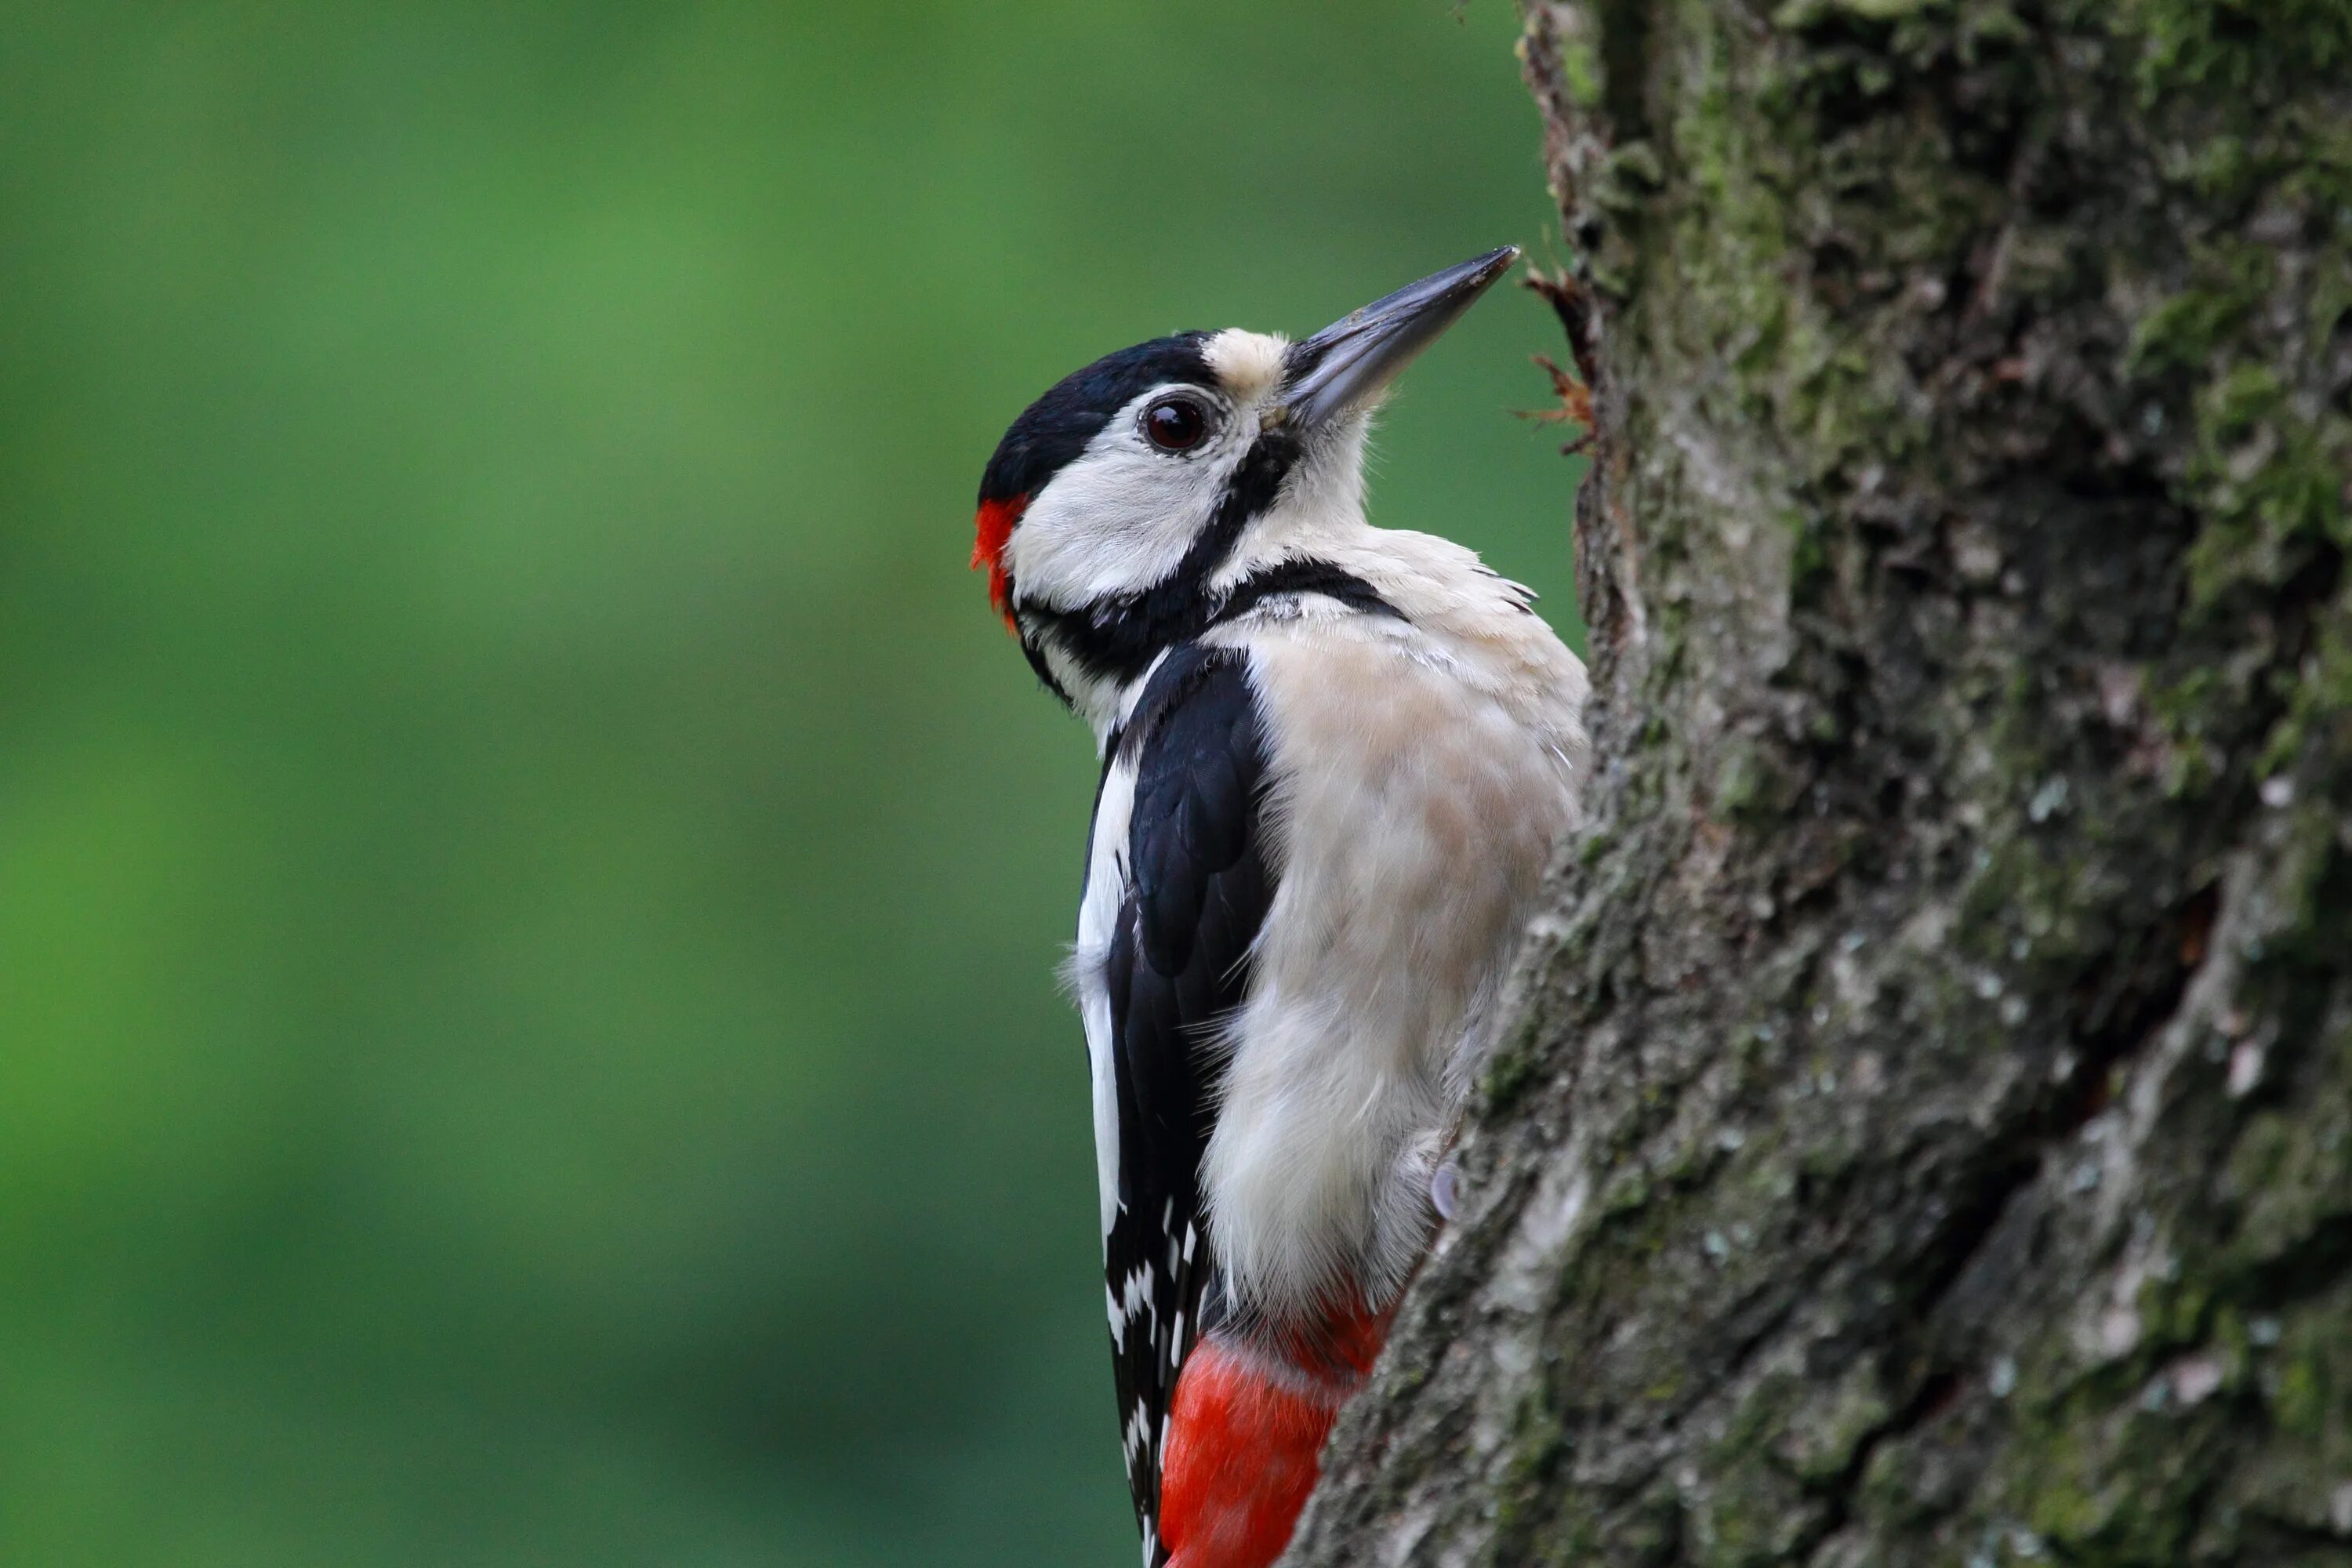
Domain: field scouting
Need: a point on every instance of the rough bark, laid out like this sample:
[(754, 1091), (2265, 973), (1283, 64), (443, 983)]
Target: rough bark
[(1926, 1133)]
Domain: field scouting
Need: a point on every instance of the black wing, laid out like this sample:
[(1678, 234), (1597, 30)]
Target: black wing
[(1198, 885)]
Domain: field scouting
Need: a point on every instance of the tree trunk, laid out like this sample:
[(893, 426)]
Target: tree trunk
[(1926, 1136)]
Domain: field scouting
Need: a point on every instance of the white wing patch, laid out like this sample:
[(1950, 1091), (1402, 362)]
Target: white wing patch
[(1107, 879)]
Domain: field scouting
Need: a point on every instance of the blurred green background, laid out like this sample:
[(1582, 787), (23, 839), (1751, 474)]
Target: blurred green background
[(529, 878)]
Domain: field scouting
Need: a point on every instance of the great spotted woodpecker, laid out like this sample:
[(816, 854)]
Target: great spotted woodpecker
[(1336, 761)]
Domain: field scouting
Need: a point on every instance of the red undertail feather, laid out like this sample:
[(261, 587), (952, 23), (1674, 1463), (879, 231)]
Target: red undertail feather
[(1245, 1438), (994, 527)]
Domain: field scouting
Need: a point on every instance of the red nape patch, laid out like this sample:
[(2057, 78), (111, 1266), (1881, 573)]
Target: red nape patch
[(994, 529), (1243, 1447)]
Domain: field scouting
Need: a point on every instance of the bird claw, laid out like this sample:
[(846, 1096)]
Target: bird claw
[(1444, 1184)]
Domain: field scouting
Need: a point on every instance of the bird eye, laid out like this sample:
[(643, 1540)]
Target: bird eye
[(1176, 424)]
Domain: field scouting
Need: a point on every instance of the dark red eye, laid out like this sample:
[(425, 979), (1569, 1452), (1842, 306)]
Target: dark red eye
[(1176, 424)]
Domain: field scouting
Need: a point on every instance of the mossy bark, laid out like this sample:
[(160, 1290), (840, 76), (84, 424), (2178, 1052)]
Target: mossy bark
[(1926, 1134)]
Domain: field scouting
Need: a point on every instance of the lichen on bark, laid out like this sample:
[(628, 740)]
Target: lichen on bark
[(1925, 1135)]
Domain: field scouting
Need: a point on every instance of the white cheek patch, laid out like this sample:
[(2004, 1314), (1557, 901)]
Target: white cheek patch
[(1112, 521), (1248, 363), (1120, 517)]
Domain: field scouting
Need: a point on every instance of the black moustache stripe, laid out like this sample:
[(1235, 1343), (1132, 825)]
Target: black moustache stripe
[(1118, 638), (1304, 577)]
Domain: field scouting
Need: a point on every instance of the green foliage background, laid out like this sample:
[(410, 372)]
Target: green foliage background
[(529, 878)]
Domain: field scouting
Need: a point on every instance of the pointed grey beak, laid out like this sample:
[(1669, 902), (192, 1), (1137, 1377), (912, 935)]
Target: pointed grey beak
[(1353, 361)]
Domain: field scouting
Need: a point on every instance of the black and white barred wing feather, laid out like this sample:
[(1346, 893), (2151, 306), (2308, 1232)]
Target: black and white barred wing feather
[(1177, 885)]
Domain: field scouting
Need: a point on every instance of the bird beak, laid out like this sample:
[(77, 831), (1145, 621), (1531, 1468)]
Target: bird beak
[(1351, 361)]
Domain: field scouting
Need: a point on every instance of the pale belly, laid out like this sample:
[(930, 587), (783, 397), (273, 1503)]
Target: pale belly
[(1419, 813)]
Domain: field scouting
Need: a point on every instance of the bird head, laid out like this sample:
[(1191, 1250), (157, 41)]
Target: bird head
[(1124, 506)]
